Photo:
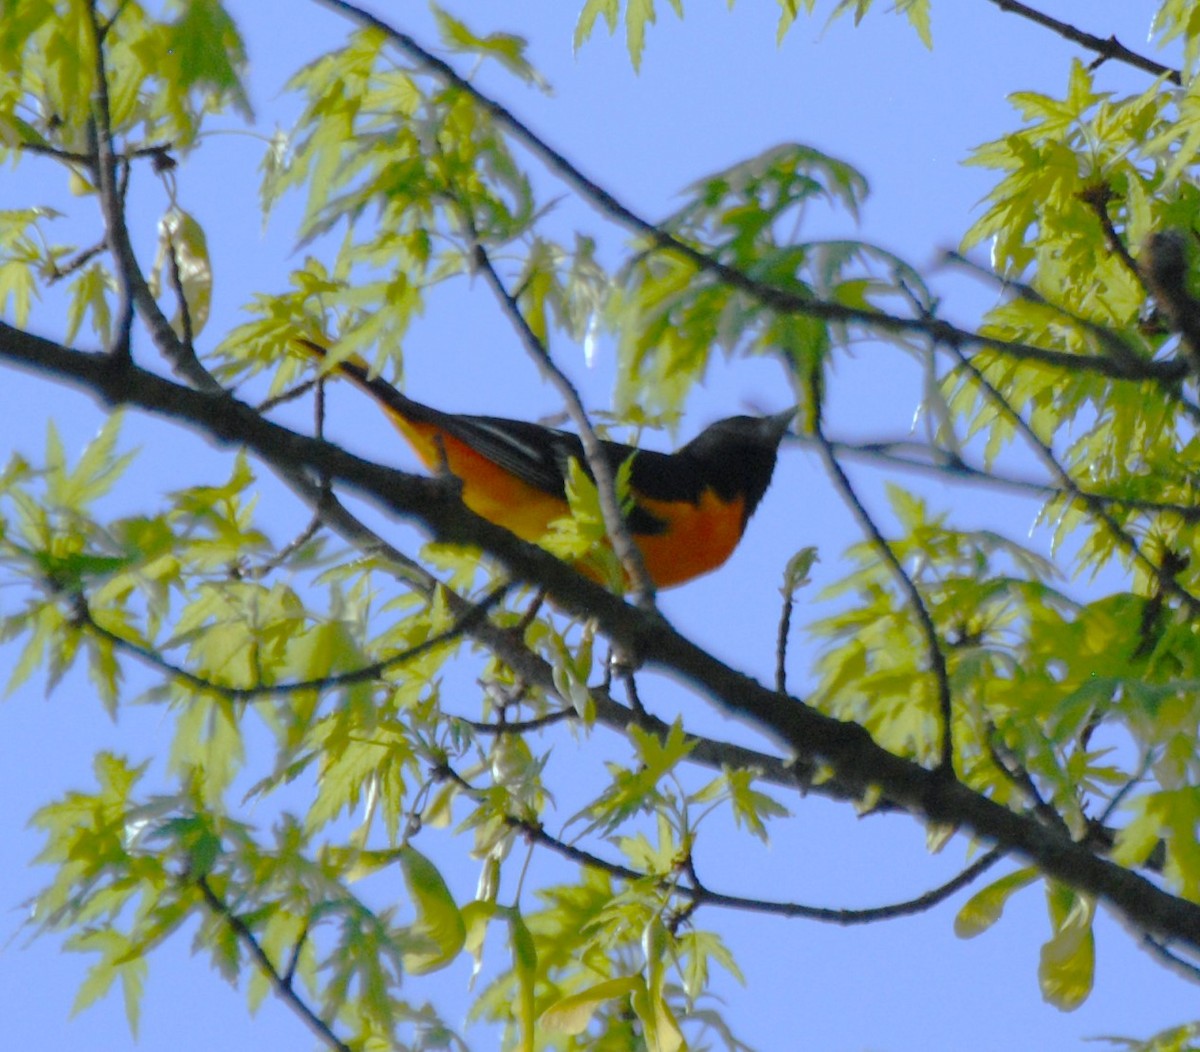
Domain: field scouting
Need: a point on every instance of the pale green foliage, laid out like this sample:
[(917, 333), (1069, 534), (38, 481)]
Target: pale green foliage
[(255, 644), (641, 14), (669, 318)]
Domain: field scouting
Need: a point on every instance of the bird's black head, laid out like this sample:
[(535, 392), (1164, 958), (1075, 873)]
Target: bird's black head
[(736, 456)]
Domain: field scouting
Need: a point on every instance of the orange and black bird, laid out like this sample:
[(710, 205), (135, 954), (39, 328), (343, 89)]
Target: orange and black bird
[(690, 507)]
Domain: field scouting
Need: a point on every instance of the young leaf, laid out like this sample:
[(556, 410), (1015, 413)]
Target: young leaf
[(438, 918)]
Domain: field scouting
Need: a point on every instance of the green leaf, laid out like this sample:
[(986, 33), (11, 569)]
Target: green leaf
[(1066, 971), (571, 1015), (439, 921), (918, 12), (750, 807), (506, 48), (650, 1004), (984, 908), (592, 9), (638, 13), (182, 263), (114, 963), (525, 966), (89, 294)]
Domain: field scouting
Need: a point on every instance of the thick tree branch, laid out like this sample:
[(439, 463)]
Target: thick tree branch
[(846, 748)]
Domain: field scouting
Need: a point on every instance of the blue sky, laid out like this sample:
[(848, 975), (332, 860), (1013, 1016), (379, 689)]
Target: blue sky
[(713, 89)]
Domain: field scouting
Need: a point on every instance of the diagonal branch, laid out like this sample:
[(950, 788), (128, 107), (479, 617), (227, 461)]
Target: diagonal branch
[(280, 982), (615, 526), (1097, 508), (785, 302), (933, 645), (845, 748), (1107, 49)]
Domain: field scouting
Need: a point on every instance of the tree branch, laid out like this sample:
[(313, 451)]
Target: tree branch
[(82, 616), (112, 203), (615, 526), (1106, 49), (699, 895), (846, 748), (775, 298), (282, 985), (933, 645), (926, 458)]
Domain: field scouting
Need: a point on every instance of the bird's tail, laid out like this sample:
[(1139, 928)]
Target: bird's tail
[(399, 407)]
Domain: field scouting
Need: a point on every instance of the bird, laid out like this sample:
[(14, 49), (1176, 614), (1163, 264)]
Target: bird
[(689, 508)]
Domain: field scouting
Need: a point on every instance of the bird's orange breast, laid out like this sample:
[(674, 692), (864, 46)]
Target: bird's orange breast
[(698, 538)]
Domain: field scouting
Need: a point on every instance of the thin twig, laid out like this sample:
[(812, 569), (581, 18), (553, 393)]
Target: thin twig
[(701, 895), (186, 333), (83, 617), (933, 645), (628, 679), (272, 564), (289, 973), (112, 204), (536, 723), (1098, 197), (615, 525), (290, 395), (1095, 507), (80, 259), (1107, 49), (282, 985), (784, 631), (949, 464), (1020, 778)]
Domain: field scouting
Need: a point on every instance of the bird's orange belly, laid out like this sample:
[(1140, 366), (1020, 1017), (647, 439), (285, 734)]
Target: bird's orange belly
[(700, 537)]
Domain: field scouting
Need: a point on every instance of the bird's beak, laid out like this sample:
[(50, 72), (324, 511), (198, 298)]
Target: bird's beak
[(778, 424)]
